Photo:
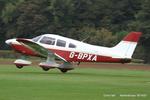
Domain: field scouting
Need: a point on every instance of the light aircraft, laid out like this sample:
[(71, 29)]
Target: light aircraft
[(68, 50)]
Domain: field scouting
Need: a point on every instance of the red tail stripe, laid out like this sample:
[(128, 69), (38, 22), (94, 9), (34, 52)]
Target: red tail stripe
[(133, 37)]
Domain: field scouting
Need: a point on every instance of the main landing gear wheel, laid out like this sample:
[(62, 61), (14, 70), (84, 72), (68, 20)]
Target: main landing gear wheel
[(20, 63), (19, 66), (45, 68), (63, 70)]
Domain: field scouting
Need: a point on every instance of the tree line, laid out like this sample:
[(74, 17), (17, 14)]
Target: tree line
[(100, 22)]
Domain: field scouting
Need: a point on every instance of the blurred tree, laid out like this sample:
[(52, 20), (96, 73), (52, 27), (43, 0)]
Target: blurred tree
[(32, 19), (122, 13), (105, 22), (9, 12), (142, 23), (102, 36)]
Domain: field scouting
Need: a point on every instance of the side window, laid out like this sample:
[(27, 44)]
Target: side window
[(71, 45), (48, 40), (61, 43)]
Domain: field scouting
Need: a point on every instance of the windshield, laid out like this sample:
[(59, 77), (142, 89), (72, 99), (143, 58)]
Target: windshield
[(36, 38), (47, 40)]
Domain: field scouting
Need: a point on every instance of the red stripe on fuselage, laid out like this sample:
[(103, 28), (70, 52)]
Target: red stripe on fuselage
[(69, 56), (84, 57)]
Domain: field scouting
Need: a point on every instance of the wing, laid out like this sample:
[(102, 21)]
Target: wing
[(43, 52), (39, 50)]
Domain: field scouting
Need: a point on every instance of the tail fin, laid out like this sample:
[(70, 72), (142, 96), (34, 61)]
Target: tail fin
[(127, 46)]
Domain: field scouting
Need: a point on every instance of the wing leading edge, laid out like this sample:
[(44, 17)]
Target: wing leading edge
[(43, 52), (38, 49)]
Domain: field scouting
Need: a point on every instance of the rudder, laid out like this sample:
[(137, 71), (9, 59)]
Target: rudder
[(126, 47)]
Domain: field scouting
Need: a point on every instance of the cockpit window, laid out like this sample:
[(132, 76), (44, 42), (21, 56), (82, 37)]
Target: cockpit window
[(61, 43), (47, 40), (71, 45), (36, 38)]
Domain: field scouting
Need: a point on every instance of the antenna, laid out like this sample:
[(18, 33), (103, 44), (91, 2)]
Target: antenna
[(85, 39)]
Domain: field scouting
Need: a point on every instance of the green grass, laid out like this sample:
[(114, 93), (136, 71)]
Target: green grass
[(31, 83)]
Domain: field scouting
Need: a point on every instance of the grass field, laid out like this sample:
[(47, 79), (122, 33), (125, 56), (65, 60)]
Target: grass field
[(31, 83)]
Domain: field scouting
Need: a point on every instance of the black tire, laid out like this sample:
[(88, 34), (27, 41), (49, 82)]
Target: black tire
[(45, 68), (19, 66), (63, 70)]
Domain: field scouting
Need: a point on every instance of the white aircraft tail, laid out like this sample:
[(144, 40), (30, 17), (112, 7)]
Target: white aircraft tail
[(127, 46)]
